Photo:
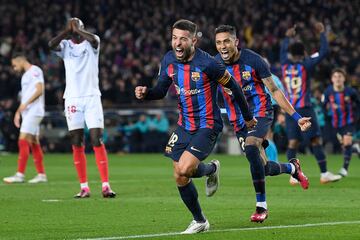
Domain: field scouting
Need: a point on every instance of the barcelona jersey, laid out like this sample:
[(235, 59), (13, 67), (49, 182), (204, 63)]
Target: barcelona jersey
[(248, 71), (296, 76), (341, 106), (196, 83)]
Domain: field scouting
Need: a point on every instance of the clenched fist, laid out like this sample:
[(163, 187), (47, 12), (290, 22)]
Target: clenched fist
[(140, 92), (304, 123)]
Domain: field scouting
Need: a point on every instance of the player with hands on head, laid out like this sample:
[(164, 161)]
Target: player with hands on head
[(79, 50)]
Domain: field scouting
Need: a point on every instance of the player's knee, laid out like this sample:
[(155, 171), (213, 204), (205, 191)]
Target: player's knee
[(180, 180), (184, 170), (77, 140), (315, 141), (253, 141), (96, 141), (293, 144)]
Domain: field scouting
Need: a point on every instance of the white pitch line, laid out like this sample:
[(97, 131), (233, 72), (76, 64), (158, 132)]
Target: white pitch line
[(51, 200), (227, 230)]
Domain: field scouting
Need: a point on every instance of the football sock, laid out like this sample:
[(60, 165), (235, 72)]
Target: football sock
[(24, 152), (347, 156), (291, 153), (80, 162), (257, 172), (189, 196), (102, 162), (38, 157), (204, 169), (274, 168), (84, 185), (320, 157)]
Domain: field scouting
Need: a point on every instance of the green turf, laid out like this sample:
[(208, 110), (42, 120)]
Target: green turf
[(148, 202)]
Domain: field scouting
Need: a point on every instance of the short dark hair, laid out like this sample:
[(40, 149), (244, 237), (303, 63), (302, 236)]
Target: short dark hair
[(226, 28), (18, 54), (297, 49), (185, 25), (338, 70)]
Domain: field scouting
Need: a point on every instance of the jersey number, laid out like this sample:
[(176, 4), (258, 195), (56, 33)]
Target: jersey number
[(293, 84), (173, 139)]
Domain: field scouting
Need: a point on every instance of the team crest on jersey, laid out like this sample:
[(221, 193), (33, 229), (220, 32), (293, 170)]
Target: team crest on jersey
[(347, 99), (246, 75), (195, 76)]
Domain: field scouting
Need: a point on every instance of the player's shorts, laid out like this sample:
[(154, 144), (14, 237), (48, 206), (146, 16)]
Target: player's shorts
[(260, 130), (199, 143), (81, 110), (347, 130), (30, 124), (293, 130)]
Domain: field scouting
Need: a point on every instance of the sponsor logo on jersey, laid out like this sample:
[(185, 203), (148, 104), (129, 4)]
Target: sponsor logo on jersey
[(195, 76), (246, 75), (186, 92), (292, 72)]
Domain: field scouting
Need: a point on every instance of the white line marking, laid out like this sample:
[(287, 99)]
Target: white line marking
[(51, 200), (226, 230)]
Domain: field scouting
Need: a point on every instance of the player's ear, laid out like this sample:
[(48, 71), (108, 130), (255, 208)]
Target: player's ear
[(236, 42), (194, 40)]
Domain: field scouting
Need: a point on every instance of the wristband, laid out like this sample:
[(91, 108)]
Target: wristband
[(296, 116)]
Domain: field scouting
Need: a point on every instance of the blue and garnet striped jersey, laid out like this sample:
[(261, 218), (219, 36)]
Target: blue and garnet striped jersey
[(296, 76), (232, 109), (249, 70), (196, 84), (342, 105)]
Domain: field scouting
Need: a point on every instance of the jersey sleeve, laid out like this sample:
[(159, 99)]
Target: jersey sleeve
[(325, 98), (63, 44), (284, 50), (37, 76), (262, 69), (217, 71), (163, 83)]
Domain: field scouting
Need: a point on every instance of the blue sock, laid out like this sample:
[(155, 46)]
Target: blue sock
[(320, 157), (189, 196), (204, 169), (291, 153), (257, 171), (274, 168), (347, 156)]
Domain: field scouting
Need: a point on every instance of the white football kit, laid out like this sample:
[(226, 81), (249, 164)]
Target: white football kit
[(34, 112), (82, 95)]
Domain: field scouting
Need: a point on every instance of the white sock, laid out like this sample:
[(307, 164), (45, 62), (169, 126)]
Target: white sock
[(105, 184), (84, 185), (261, 204), (292, 168), (19, 174), (323, 174)]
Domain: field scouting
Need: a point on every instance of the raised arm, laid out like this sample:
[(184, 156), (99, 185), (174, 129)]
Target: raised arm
[(285, 44), (324, 45), (54, 43), (88, 36)]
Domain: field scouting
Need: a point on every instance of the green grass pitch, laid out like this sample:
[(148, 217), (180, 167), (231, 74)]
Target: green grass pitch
[(148, 202)]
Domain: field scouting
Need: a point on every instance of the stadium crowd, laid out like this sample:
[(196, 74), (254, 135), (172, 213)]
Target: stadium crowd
[(134, 34)]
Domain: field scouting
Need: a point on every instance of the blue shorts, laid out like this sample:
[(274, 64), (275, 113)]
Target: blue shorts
[(199, 143), (260, 130), (346, 130), (293, 130)]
